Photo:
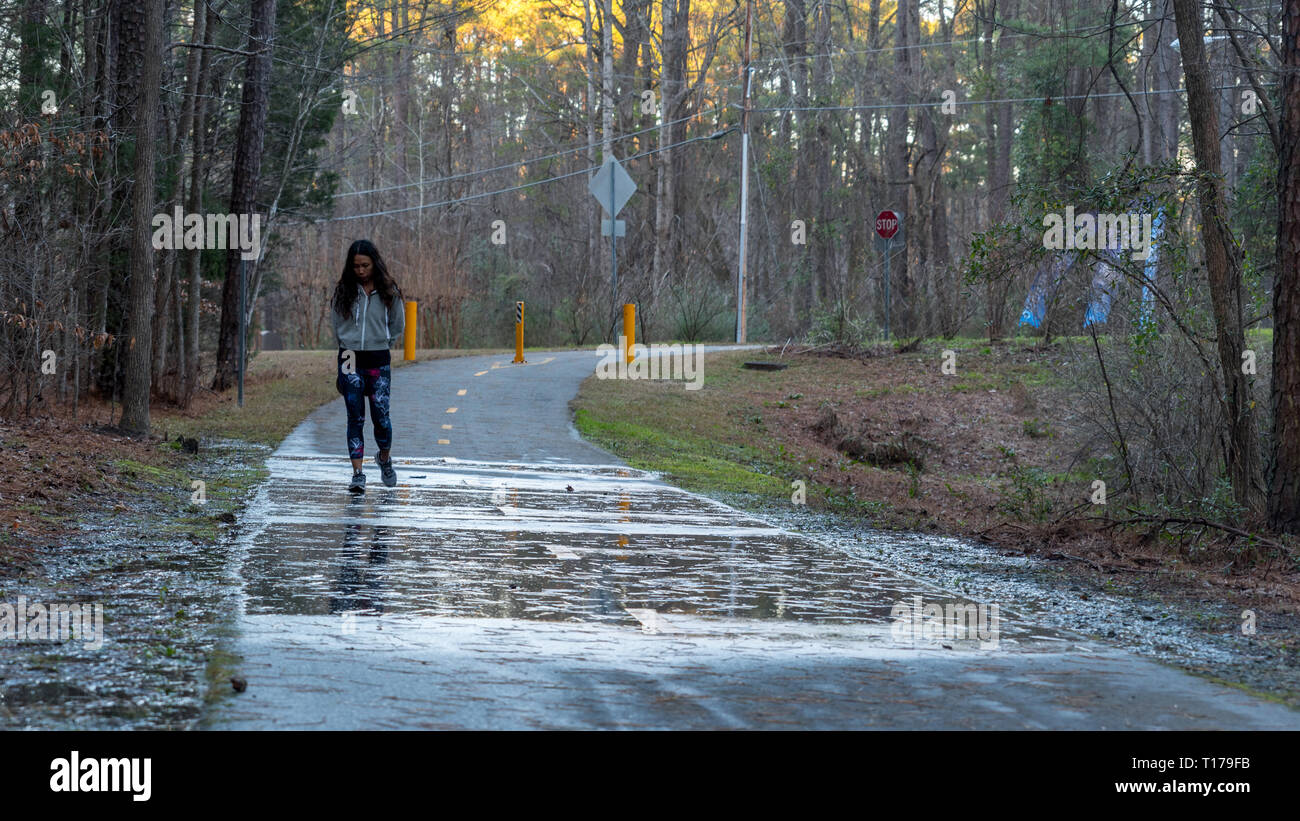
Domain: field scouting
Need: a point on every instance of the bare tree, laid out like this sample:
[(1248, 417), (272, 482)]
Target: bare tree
[(1222, 257), (135, 397), (1284, 487), (246, 174)]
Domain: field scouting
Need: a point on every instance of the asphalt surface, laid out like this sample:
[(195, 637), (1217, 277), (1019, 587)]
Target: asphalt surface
[(519, 577)]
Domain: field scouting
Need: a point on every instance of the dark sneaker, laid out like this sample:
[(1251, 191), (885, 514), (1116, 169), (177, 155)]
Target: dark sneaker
[(358, 483), (387, 472)]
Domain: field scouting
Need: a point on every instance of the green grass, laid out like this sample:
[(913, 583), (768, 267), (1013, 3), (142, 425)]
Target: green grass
[(691, 461), (975, 381), (222, 665), (878, 393), (1036, 428), (153, 473), (170, 482), (713, 440)]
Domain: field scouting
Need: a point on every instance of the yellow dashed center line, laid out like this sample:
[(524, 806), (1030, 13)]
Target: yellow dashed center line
[(444, 441), (480, 373), (461, 392), (446, 427), (451, 410)]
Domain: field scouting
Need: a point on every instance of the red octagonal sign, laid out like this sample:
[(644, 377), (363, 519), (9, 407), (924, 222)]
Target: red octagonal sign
[(886, 224)]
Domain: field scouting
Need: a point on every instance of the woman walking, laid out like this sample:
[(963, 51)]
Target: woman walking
[(368, 318)]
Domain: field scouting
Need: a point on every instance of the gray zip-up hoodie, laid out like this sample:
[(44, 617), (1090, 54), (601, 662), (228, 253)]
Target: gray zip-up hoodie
[(373, 326)]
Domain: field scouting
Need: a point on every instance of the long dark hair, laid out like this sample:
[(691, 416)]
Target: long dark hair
[(345, 293)]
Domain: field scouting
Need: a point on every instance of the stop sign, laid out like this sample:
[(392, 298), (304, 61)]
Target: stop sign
[(886, 224)]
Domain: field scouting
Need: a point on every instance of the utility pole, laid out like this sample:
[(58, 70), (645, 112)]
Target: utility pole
[(745, 74)]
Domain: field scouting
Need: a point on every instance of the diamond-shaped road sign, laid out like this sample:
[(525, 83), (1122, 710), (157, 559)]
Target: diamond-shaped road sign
[(622, 188)]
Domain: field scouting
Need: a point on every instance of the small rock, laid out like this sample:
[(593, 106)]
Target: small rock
[(238, 683), (227, 517), (569, 488)]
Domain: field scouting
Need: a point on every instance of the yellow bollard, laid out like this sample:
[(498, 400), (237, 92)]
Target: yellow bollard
[(519, 332), (408, 337), (629, 328)]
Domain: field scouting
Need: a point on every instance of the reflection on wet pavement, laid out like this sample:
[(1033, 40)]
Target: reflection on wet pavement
[(555, 543)]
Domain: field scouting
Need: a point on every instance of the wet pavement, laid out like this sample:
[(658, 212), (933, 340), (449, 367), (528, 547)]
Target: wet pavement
[(519, 577)]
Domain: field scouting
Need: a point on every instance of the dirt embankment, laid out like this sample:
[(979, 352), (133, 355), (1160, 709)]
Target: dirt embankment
[(64, 469), (991, 451)]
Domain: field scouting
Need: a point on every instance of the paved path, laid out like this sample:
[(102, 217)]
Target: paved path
[(519, 577)]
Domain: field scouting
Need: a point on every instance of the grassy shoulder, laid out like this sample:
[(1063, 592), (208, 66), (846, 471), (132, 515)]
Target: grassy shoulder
[(689, 436), (754, 433)]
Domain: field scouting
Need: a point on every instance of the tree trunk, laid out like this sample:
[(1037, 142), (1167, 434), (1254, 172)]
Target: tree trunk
[(246, 173), (592, 209), (1222, 261), (1284, 486), (198, 173), (174, 260), (676, 37), (607, 134), (999, 129), (135, 397), (897, 164), (819, 157), (935, 137), (801, 195)]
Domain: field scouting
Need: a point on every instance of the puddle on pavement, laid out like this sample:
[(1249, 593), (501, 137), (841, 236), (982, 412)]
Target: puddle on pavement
[(548, 542), (556, 543)]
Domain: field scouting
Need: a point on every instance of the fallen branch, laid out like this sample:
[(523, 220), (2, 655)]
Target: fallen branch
[(1097, 566), (1161, 521), (1003, 523)]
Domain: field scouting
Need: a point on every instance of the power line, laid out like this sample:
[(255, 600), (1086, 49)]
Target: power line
[(530, 161), (458, 200), (718, 134), (879, 106), (932, 103), (509, 71)]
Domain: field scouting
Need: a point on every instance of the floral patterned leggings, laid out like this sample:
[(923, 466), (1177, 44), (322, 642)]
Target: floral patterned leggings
[(355, 387)]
